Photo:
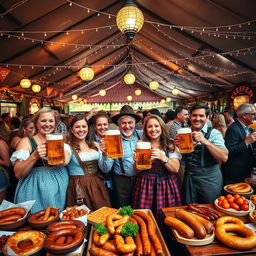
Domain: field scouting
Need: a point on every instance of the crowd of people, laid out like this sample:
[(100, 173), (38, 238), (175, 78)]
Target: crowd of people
[(223, 153)]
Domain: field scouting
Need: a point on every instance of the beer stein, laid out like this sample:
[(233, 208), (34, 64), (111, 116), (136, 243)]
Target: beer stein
[(113, 141), (55, 149), (143, 155), (186, 144)]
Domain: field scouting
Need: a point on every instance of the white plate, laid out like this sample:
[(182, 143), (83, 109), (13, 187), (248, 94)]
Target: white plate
[(233, 212), (194, 241), (242, 194)]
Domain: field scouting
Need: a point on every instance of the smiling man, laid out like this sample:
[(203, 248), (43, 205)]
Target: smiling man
[(123, 168), (203, 179)]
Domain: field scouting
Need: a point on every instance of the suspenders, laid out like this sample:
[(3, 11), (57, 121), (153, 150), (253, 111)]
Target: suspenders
[(121, 160)]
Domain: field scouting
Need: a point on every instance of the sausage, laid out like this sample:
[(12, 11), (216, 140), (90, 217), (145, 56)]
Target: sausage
[(77, 235), (206, 223), (148, 219), (10, 219), (212, 211), (110, 246), (103, 239), (144, 234), (58, 225), (125, 246), (139, 247), (199, 214), (182, 228), (122, 221), (39, 216), (203, 211), (110, 224), (152, 232), (118, 230), (192, 222), (47, 213), (12, 211), (97, 251), (96, 238), (153, 252), (60, 240)]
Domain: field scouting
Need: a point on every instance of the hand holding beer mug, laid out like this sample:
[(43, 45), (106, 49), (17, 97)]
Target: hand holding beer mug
[(143, 155), (55, 149), (186, 144), (113, 141)]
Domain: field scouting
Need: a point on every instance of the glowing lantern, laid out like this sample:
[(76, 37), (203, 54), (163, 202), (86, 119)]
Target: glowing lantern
[(153, 85), (175, 91), (74, 97), (102, 93), (86, 73), (168, 99), (129, 98), (36, 88), (25, 83), (137, 92), (129, 78)]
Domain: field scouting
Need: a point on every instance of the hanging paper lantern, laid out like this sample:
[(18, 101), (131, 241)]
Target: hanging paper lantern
[(36, 88), (137, 92), (74, 97), (129, 78), (86, 73), (102, 93), (175, 91), (25, 83), (162, 101), (153, 85), (129, 98), (168, 99)]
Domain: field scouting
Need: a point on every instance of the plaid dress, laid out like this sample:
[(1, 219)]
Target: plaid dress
[(155, 189)]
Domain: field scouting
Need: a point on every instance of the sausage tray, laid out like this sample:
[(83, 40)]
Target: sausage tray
[(159, 234)]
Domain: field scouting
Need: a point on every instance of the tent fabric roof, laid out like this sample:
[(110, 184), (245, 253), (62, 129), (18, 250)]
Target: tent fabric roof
[(197, 46)]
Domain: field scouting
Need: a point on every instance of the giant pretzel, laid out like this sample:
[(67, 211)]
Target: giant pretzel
[(227, 223)]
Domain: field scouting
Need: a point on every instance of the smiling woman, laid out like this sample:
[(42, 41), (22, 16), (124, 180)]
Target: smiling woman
[(37, 180), (85, 183)]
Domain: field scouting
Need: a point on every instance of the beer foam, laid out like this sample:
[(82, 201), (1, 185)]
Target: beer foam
[(54, 136), (184, 130), (112, 132), (143, 145)]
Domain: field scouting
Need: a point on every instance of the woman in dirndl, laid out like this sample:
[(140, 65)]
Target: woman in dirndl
[(86, 184), (157, 187)]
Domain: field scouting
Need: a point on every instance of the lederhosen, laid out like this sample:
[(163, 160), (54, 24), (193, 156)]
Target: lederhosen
[(123, 185), (203, 178), (88, 189)]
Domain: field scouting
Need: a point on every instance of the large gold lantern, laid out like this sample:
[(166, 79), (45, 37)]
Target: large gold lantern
[(36, 88), (168, 99), (25, 83), (86, 73), (129, 78), (129, 19), (153, 85)]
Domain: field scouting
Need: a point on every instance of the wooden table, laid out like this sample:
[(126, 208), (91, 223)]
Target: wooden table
[(215, 248)]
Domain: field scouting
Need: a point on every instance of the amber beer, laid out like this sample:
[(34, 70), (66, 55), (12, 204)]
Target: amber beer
[(143, 155), (55, 149), (113, 144), (185, 140)]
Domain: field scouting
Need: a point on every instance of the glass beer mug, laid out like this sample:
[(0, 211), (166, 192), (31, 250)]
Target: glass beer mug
[(143, 155), (113, 141), (55, 149), (186, 144)]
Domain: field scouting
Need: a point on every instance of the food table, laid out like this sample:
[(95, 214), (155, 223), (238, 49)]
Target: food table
[(215, 248)]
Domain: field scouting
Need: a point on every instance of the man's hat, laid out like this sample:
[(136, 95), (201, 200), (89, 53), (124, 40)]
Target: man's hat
[(126, 110)]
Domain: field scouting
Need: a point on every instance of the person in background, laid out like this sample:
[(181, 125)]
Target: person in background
[(229, 115), (26, 129), (154, 111), (240, 141), (157, 187), (37, 180), (85, 182), (123, 168), (4, 161), (180, 120), (14, 125), (203, 179), (61, 127), (139, 125), (169, 119), (7, 121), (218, 122)]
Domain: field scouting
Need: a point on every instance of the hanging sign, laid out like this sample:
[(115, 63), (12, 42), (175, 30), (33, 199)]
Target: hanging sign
[(34, 105), (241, 90)]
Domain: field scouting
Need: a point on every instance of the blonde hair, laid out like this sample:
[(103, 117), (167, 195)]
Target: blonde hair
[(218, 121)]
